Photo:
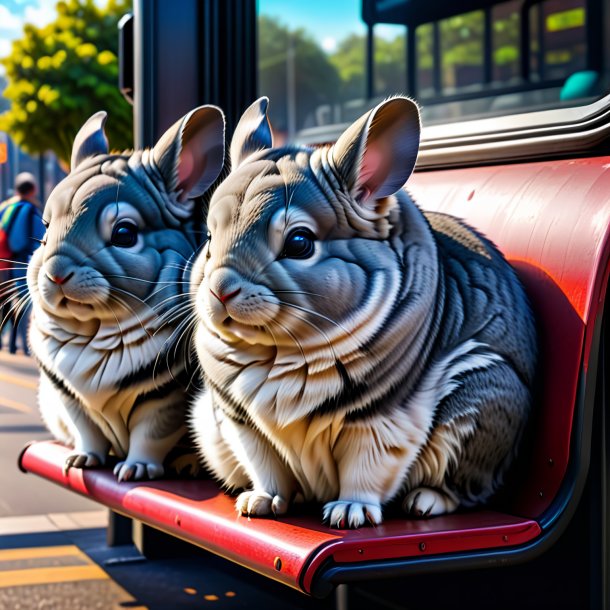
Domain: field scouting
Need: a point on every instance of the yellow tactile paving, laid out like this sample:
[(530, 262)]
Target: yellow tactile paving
[(42, 551), (47, 575), (16, 406), (16, 380)]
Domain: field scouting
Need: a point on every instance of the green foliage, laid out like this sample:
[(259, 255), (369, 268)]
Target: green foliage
[(316, 80), (62, 73), (350, 61)]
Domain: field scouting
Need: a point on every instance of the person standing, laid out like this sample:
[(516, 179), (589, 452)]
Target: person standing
[(21, 231)]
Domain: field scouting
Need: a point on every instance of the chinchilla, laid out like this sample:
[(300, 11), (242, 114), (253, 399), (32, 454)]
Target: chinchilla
[(354, 349), (104, 288)]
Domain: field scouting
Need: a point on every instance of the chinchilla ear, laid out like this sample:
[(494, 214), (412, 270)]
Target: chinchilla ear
[(90, 140), (377, 153), (190, 154), (253, 133)]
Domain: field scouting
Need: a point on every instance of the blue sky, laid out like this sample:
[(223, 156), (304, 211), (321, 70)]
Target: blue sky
[(14, 13), (329, 21), (326, 20)]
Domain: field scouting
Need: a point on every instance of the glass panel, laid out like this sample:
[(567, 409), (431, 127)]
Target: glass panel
[(390, 60), (462, 51), (312, 63), (424, 44), (558, 39), (565, 43), (505, 41)]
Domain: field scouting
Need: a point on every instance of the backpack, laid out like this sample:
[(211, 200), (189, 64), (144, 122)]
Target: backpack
[(8, 211)]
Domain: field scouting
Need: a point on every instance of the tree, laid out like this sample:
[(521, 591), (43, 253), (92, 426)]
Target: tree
[(316, 80), (389, 66), (62, 73)]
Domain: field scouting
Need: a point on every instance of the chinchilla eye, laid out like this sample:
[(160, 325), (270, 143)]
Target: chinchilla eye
[(124, 234), (299, 244)]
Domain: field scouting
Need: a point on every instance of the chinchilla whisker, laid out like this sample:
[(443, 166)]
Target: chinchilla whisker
[(129, 294), (177, 310), (311, 294), (319, 315), (22, 304), (10, 286), (169, 340), (154, 293), (14, 292), (10, 260), (10, 291), (115, 317), (126, 305), (172, 297), (318, 330), (15, 269), (292, 336), (138, 279), (184, 326), (12, 313)]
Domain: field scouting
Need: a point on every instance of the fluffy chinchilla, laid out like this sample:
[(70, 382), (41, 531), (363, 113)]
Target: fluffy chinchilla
[(354, 349), (104, 286)]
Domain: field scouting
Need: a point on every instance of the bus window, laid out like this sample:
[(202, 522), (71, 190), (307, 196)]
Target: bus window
[(390, 60), (425, 60), (559, 40), (461, 39), (325, 63), (506, 40), (312, 63)]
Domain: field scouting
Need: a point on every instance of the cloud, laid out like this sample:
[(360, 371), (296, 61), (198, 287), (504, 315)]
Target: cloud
[(40, 15), (11, 23)]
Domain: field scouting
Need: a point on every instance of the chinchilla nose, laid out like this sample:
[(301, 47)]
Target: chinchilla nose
[(59, 269), (225, 284)]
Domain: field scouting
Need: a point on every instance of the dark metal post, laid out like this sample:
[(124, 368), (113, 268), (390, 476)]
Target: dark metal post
[(411, 61), (524, 42), (166, 65), (595, 43), (227, 48), (488, 46), (191, 53), (370, 62), (437, 57)]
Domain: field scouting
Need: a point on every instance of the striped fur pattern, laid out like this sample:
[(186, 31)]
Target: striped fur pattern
[(354, 349), (106, 288)]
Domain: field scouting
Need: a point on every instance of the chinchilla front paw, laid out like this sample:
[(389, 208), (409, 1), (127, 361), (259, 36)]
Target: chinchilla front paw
[(258, 503), (82, 459), (344, 513), (428, 502), (137, 471)]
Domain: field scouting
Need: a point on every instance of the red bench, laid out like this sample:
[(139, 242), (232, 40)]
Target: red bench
[(552, 221)]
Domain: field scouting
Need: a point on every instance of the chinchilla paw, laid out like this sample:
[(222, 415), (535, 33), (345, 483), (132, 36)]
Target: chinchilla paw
[(187, 464), (82, 459), (137, 471), (344, 514), (257, 503), (428, 502)]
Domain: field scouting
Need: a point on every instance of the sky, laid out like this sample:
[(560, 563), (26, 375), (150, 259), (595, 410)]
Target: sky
[(329, 21), (14, 13)]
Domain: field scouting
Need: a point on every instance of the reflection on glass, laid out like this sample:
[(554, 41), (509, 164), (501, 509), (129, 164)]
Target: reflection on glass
[(506, 41), (462, 51)]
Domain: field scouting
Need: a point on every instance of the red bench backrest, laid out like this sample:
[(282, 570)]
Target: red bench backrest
[(552, 222)]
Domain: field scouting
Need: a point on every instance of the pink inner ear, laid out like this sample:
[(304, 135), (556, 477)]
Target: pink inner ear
[(186, 166), (374, 170)]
